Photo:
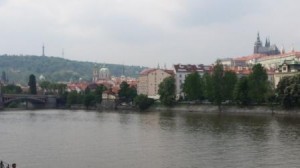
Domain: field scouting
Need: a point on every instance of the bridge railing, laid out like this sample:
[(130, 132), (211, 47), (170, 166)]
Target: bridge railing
[(24, 95), (4, 164)]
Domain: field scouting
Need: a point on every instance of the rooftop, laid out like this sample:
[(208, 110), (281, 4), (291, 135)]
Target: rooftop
[(250, 57), (192, 68), (147, 71), (297, 54)]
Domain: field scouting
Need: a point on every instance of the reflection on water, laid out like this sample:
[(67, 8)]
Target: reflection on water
[(128, 139)]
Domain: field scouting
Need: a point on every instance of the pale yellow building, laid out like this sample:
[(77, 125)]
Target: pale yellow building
[(149, 80)]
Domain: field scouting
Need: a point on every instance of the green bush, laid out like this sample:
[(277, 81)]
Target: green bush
[(143, 102)]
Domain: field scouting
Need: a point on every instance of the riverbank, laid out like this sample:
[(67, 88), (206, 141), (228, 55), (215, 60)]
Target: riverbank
[(226, 109), (197, 108)]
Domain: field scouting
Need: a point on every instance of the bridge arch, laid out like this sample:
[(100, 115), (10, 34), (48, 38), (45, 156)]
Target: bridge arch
[(32, 100), (37, 101)]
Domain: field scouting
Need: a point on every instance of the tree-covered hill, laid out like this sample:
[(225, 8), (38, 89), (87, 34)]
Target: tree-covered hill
[(18, 68)]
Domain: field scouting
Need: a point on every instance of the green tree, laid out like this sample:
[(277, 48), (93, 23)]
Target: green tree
[(208, 87), (98, 93), (258, 83), (282, 85), (241, 91), (127, 93), (167, 91), (271, 97), (89, 100), (143, 102), (288, 91), (87, 90), (123, 92), (80, 98), (230, 79), (45, 85), (61, 88), (11, 89), (72, 98), (218, 84), (32, 84), (4, 77), (193, 87), (132, 93)]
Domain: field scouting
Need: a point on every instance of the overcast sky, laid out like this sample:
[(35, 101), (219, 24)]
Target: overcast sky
[(146, 32)]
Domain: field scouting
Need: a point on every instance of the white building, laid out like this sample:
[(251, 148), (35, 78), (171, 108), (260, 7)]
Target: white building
[(182, 71)]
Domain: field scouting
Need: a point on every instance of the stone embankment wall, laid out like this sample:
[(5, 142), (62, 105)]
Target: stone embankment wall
[(226, 109), (107, 105)]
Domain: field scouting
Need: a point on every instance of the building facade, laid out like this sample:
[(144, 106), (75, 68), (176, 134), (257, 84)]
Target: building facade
[(182, 71), (101, 74), (149, 80), (287, 68), (273, 62)]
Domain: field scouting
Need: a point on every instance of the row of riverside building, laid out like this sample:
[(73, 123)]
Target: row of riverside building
[(149, 79), (278, 64)]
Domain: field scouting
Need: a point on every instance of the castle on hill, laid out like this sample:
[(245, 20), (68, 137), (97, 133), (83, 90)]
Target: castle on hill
[(268, 49)]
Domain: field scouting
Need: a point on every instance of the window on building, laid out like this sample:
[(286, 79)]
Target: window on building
[(284, 68)]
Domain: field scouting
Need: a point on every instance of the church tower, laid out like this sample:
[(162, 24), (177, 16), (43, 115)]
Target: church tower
[(257, 45), (95, 73)]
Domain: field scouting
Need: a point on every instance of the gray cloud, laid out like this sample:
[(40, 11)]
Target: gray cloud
[(130, 30), (144, 32)]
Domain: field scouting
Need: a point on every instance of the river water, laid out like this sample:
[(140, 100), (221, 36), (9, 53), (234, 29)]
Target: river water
[(73, 139)]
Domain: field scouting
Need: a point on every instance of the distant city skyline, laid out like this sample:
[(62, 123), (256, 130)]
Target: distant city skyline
[(146, 33)]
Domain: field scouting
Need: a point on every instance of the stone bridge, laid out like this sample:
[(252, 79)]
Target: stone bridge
[(42, 100)]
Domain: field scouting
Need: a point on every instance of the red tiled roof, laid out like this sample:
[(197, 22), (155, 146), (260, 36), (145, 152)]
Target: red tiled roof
[(239, 70), (147, 71), (246, 70), (249, 57), (265, 57), (192, 68), (297, 54), (73, 86), (171, 72)]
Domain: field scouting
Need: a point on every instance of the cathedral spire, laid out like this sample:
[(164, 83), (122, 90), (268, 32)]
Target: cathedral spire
[(267, 44), (258, 42)]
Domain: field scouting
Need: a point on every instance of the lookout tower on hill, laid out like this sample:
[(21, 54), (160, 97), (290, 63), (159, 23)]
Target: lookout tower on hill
[(43, 50)]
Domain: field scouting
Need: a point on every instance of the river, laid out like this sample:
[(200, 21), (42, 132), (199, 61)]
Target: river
[(73, 139)]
